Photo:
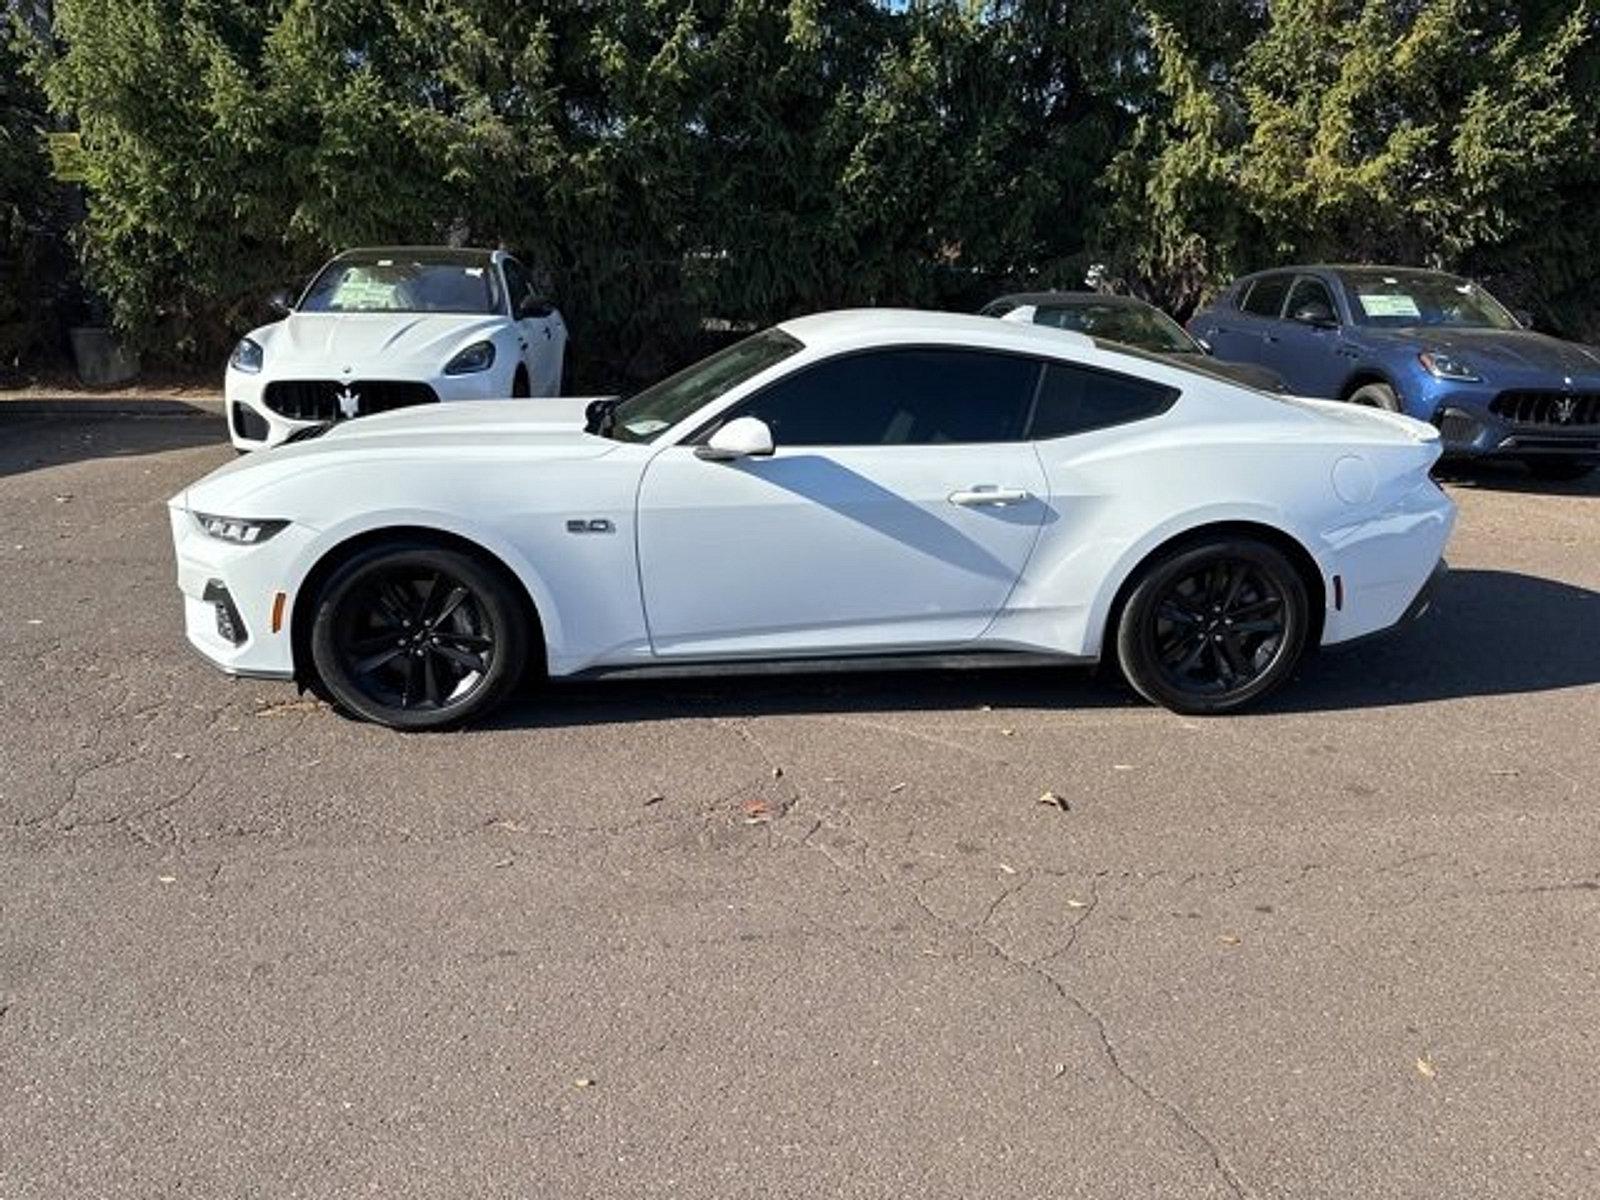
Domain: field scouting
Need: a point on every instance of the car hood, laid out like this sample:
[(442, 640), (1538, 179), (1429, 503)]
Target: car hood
[(332, 342), (453, 435), (1522, 348)]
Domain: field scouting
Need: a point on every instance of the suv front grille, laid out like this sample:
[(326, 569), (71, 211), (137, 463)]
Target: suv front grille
[(328, 399), (1557, 410)]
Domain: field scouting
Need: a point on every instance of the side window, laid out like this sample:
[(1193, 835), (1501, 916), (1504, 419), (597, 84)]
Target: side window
[(519, 284), (1078, 399), (1309, 293), (911, 397), (1265, 297)]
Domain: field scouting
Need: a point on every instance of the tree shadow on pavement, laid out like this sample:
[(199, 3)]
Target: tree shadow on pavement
[(35, 441), (1489, 633)]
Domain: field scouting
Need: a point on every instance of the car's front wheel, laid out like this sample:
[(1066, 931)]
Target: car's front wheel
[(1214, 625), (1376, 395), (416, 636)]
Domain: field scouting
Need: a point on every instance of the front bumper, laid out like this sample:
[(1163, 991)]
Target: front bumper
[(1470, 429), (230, 593)]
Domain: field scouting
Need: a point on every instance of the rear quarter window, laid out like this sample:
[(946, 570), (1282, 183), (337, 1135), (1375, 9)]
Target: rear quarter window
[(1080, 399)]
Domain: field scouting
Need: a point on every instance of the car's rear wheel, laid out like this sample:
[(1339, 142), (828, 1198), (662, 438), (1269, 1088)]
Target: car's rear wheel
[(416, 636), (1559, 470), (1376, 395), (1212, 626)]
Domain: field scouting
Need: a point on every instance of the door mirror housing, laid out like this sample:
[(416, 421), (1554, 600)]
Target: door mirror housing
[(533, 306), (742, 437), (1315, 314), (281, 302)]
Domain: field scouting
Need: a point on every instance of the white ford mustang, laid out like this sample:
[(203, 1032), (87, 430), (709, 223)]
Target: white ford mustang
[(392, 327), (846, 485)]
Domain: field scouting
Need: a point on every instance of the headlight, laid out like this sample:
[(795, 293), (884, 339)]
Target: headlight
[(1444, 366), (246, 356), (241, 531), (477, 357)]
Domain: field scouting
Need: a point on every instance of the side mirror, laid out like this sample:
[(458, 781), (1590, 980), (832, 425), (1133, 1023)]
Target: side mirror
[(1318, 315), (281, 302), (743, 437), (533, 306)]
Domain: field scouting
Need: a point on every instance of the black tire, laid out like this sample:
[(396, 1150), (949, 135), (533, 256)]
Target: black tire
[(1213, 626), (1559, 470), (418, 636), (1376, 395), (521, 389)]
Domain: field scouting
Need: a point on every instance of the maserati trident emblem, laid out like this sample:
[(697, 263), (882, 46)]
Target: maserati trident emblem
[(349, 402), (1565, 408)]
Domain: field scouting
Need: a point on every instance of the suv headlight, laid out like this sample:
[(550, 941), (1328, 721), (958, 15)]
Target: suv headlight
[(241, 531), (246, 356), (477, 357), (1445, 366)]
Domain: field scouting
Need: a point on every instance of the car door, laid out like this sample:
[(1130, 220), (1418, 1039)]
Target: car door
[(537, 326), (1250, 330), (1305, 350), (897, 511)]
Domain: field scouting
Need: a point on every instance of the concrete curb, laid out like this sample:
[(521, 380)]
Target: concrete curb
[(109, 406)]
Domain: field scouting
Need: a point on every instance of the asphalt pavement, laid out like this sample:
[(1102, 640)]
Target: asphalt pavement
[(799, 936)]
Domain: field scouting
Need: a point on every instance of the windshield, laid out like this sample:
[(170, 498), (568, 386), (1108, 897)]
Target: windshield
[(404, 281), (1405, 298), (646, 415), (1131, 324)]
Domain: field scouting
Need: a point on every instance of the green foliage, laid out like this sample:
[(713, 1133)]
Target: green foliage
[(1439, 132), (25, 301), (662, 162)]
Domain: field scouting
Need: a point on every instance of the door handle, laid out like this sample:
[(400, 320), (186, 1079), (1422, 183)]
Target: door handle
[(977, 497)]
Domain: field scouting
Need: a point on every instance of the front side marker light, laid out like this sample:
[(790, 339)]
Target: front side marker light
[(279, 599), (241, 531)]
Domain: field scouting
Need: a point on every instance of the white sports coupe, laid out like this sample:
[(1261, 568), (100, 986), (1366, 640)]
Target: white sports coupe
[(850, 485), (392, 327)]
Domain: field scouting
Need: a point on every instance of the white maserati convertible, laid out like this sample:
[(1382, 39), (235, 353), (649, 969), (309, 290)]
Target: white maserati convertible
[(851, 485), (390, 328)]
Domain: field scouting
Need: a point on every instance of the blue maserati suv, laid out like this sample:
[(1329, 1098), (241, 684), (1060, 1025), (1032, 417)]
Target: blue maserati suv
[(1431, 345)]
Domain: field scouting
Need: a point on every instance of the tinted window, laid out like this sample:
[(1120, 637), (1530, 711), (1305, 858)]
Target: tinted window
[(1265, 297), (1309, 292), (1076, 399), (1132, 324), (519, 284), (646, 415), (900, 398)]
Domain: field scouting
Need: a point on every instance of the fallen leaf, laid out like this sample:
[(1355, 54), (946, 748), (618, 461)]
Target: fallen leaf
[(1228, 939), (63, 499), (583, 1082), (777, 772), (1008, 868), (504, 862), (35, 621), (1122, 766), (1055, 801), (1008, 733), (653, 798), (1425, 1067), (755, 812), (1077, 904), (899, 787), (167, 878), (179, 755), (1505, 772), (1061, 1069), (506, 824)]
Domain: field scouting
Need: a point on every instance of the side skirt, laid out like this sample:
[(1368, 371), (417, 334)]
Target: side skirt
[(934, 660)]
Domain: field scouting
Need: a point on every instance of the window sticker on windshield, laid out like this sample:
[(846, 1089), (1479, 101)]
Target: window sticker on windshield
[(360, 290), (645, 427), (1388, 306), (475, 272)]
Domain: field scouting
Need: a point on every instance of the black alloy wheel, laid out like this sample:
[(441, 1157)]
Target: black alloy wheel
[(1211, 627), (418, 637)]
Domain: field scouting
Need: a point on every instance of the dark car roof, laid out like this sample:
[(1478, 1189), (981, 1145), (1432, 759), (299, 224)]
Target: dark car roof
[(1038, 299), (1340, 268)]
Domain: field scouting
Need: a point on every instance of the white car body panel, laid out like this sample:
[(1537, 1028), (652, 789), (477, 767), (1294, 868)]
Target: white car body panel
[(717, 561), (355, 347)]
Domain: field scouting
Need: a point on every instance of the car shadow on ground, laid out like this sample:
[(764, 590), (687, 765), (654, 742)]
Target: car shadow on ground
[(33, 441), (1489, 633), (1513, 477)]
